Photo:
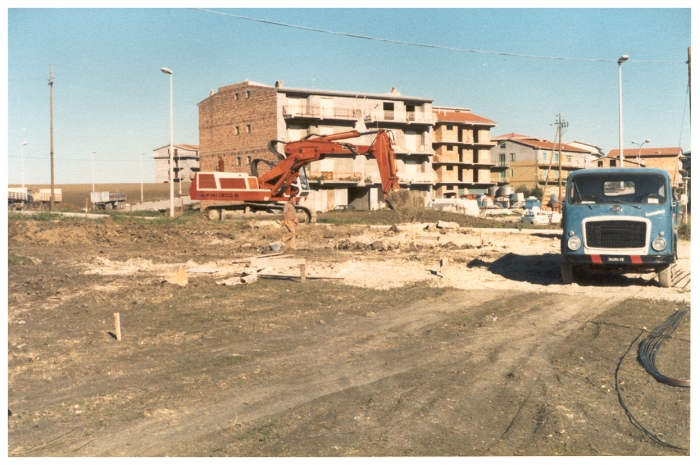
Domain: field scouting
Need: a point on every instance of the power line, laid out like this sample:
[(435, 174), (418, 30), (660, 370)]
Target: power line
[(417, 44), (79, 159)]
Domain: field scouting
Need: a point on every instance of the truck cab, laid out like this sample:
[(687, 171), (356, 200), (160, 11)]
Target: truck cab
[(619, 219)]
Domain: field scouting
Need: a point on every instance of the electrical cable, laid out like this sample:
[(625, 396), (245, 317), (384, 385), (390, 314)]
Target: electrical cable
[(631, 417), (416, 44), (650, 347)]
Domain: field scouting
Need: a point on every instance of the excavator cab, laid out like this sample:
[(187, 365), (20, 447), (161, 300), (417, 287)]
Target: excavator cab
[(301, 184)]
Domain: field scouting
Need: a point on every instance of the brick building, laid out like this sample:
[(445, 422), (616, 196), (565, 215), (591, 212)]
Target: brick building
[(533, 162), (237, 122), (670, 159), (462, 144), (185, 159)]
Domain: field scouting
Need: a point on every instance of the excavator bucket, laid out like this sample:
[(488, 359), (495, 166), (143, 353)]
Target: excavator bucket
[(407, 204)]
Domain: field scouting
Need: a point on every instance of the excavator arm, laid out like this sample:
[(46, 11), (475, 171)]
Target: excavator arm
[(300, 153)]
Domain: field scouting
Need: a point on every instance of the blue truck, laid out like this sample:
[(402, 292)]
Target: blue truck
[(621, 220)]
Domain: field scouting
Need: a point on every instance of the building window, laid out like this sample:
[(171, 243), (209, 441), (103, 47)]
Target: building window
[(503, 176), (544, 156), (556, 158), (247, 94), (248, 128), (450, 168), (389, 111), (238, 130), (511, 173), (450, 148), (512, 157), (613, 163), (250, 160), (237, 96), (449, 127), (600, 164), (238, 161), (502, 145)]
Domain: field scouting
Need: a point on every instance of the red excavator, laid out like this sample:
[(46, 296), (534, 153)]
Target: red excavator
[(287, 176)]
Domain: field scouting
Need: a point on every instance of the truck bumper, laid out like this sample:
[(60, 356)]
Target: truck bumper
[(630, 263)]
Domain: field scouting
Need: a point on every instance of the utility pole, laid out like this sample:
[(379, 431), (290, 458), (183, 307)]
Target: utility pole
[(51, 133), (561, 125), (557, 135), (549, 168), (690, 86)]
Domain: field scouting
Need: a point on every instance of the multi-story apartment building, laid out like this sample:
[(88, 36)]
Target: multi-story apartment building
[(462, 144), (185, 160), (670, 159), (533, 162), (237, 122)]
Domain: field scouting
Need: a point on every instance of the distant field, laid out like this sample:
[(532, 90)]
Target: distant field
[(74, 195)]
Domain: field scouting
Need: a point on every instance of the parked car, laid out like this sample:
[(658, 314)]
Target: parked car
[(535, 217), (343, 208)]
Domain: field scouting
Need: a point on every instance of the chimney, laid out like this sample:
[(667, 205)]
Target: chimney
[(279, 84)]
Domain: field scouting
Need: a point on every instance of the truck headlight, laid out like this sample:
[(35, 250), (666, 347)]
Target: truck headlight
[(574, 243), (658, 244)]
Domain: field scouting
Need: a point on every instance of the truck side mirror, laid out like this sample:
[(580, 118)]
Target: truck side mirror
[(684, 199)]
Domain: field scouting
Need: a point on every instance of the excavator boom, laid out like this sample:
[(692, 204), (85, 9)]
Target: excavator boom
[(300, 153)]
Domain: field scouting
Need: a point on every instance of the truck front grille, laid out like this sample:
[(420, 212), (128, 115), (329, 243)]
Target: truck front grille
[(616, 234)]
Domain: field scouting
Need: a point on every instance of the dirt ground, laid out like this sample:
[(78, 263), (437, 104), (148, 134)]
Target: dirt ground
[(489, 356)]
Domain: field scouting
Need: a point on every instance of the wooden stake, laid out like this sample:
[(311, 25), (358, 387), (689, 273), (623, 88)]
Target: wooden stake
[(443, 266), (117, 327), (302, 271)]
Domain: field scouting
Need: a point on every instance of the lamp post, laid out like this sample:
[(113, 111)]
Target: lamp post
[(142, 176), (22, 149), (172, 186), (639, 154), (93, 170), (621, 60)]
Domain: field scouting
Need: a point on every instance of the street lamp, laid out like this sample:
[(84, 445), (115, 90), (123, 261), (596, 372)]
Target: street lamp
[(172, 187), (93, 170), (22, 149), (621, 60), (142, 176), (639, 154)]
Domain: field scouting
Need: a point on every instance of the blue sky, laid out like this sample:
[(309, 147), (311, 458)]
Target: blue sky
[(111, 97)]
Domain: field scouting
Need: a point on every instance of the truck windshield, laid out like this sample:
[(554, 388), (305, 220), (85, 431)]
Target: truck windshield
[(606, 188)]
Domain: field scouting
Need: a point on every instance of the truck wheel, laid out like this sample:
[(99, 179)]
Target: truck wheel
[(303, 215), (666, 277), (214, 214), (567, 273)]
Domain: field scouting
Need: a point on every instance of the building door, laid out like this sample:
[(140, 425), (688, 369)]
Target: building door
[(411, 141), (326, 107), (294, 133), (293, 106)]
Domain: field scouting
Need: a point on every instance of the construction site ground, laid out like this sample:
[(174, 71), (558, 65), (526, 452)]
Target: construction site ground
[(390, 355)]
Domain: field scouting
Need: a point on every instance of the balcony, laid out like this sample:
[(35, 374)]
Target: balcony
[(565, 163), (400, 117), (334, 176), (309, 111)]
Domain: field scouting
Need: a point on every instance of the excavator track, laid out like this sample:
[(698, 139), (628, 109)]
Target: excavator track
[(214, 212)]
